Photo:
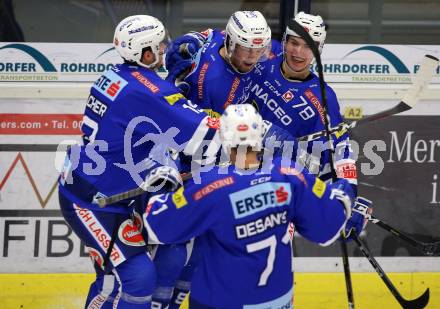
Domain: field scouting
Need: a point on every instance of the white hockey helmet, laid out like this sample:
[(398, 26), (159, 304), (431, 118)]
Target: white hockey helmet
[(248, 29), (313, 24), (134, 33), (241, 125)]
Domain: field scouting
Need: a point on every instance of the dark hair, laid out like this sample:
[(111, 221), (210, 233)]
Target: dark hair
[(145, 49)]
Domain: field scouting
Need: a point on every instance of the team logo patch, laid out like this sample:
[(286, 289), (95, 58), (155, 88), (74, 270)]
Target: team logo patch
[(110, 85), (129, 232), (96, 256), (287, 96), (260, 197), (173, 98), (178, 198), (213, 123), (319, 187), (213, 186), (99, 233)]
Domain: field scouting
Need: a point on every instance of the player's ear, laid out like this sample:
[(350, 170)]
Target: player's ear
[(148, 56)]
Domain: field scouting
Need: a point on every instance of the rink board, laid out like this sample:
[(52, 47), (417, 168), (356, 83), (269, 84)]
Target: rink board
[(312, 290)]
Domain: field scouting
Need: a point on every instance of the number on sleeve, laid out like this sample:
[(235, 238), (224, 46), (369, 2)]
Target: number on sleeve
[(89, 128)]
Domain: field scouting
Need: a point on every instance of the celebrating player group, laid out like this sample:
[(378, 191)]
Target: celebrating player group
[(214, 149)]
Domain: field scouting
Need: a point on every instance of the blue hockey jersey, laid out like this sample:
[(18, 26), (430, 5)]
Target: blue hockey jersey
[(133, 119), (241, 219), (214, 84), (297, 107)]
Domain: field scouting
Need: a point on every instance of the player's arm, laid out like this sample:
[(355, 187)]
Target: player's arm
[(320, 210)]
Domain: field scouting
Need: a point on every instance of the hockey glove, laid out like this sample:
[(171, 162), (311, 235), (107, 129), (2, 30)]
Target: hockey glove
[(342, 191), (360, 211), (179, 55), (179, 71), (162, 179)]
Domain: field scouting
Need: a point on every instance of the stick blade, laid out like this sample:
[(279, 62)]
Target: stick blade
[(417, 303), (421, 80)]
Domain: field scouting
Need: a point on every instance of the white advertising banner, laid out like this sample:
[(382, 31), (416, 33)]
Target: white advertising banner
[(343, 63), (55, 62), (383, 64)]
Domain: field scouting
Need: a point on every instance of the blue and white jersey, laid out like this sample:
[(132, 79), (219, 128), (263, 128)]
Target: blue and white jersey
[(132, 119), (214, 84), (296, 106), (242, 221)]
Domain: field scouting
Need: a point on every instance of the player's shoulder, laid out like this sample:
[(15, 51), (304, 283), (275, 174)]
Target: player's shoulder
[(313, 83), (148, 82), (292, 172), (314, 80), (213, 184)]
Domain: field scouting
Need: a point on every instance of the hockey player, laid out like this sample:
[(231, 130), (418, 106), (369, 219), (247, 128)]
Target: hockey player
[(132, 121), (240, 216), (220, 76), (287, 93), (220, 70)]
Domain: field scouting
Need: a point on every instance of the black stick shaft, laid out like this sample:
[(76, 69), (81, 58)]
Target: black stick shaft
[(300, 30), (417, 303)]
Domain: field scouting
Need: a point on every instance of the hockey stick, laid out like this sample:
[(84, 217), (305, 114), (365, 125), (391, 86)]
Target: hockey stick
[(421, 80), (430, 249), (417, 303), (297, 28), (104, 201)]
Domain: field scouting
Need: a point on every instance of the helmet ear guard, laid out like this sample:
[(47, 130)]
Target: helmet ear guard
[(137, 33), (241, 125)]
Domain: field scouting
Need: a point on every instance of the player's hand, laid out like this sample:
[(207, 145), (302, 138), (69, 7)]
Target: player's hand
[(182, 48), (360, 211), (179, 71)]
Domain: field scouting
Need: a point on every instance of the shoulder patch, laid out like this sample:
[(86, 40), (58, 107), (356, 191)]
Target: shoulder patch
[(319, 187), (145, 81), (178, 198), (316, 103), (213, 186), (173, 98)]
